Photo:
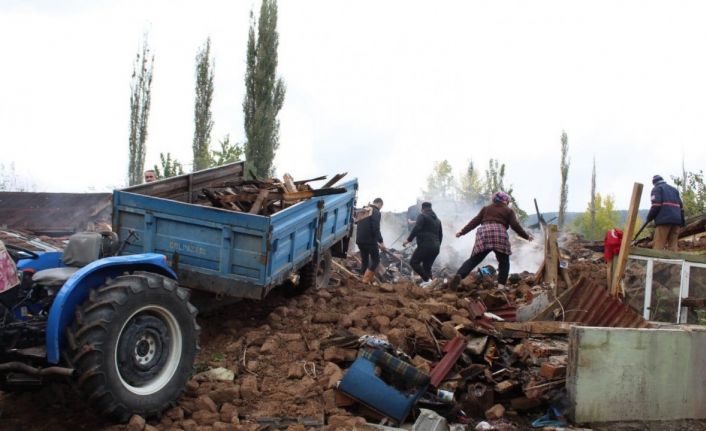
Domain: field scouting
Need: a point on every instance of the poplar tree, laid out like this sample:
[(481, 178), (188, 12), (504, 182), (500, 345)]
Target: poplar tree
[(203, 122), (592, 204), (264, 91), (140, 98), (564, 168)]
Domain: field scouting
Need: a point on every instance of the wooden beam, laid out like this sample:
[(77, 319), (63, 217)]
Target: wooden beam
[(557, 303), (336, 178), (535, 327), (628, 233), (551, 258), (698, 257), (258, 202)]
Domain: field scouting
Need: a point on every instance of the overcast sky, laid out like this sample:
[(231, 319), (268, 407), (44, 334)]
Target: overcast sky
[(379, 89)]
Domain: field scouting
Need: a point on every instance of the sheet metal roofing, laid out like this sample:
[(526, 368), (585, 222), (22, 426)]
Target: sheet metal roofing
[(54, 213)]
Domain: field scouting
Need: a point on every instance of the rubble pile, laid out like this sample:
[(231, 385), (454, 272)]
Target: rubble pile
[(267, 196), (278, 362)]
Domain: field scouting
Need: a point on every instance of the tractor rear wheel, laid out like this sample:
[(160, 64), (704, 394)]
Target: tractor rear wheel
[(133, 343), (316, 274)]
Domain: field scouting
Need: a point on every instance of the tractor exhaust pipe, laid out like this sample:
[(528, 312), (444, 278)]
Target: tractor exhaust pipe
[(27, 369)]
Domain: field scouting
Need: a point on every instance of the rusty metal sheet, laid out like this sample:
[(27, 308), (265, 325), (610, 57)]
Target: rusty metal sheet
[(54, 214), (30, 242), (453, 350), (592, 305)]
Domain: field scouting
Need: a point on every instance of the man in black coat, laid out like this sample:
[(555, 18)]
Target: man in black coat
[(427, 230), (369, 241)]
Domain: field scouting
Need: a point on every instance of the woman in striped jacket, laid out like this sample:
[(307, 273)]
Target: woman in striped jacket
[(494, 221)]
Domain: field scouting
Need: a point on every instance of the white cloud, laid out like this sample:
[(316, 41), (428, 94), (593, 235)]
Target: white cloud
[(378, 89)]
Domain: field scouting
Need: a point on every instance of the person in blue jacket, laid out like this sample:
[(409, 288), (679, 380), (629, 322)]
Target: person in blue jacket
[(667, 212)]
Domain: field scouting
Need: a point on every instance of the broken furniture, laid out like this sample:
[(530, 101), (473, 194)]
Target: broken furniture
[(393, 393)]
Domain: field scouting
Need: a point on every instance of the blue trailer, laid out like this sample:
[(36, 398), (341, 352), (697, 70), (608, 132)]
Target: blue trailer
[(232, 253), (112, 312)]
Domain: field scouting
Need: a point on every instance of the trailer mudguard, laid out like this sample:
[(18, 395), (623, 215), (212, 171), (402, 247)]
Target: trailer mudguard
[(93, 275)]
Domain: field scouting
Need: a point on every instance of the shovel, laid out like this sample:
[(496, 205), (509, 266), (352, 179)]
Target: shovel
[(634, 240)]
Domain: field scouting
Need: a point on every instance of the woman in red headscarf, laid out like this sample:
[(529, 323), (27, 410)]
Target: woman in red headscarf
[(494, 220)]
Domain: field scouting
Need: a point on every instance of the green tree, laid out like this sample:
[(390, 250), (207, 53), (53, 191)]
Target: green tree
[(440, 183), (470, 186), (169, 167), (495, 181), (140, 100), (564, 169), (202, 107), (606, 218), (264, 91), (693, 192), (227, 154)]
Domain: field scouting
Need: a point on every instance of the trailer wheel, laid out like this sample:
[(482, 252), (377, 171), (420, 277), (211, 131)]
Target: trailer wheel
[(133, 343), (316, 274)]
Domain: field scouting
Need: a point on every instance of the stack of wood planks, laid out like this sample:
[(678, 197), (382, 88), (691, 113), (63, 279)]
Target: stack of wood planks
[(266, 196)]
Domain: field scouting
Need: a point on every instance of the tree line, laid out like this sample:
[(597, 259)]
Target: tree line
[(264, 97), (600, 215)]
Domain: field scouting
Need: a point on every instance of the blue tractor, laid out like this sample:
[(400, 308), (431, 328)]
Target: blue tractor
[(118, 326), (115, 317)]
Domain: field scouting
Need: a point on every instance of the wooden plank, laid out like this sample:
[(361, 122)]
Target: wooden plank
[(310, 180), (628, 233), (551, 256), (698, 257), (336, 178), (565, 276), (563, 298), (289, 183), (257, 206), (343, 269), (535, 327)]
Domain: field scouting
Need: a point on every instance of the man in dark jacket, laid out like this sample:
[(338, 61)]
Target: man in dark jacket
[(427, 230), (412, 214), (668, 213), (369, 241)]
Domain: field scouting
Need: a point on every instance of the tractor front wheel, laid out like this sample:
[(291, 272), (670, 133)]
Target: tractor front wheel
[(133, 343)]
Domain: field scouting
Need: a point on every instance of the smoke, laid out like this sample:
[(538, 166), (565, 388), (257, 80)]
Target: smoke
[(526, 256)]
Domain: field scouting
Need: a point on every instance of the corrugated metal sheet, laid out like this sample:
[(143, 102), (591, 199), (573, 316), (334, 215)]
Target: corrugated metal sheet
[(591, 305), (54, 213), (453, 350), (30, 242)]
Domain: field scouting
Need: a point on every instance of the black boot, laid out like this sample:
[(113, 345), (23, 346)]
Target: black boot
[(455, 282)]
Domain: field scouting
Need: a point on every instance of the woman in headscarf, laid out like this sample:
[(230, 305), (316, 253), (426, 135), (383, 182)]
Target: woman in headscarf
[(494, 220)]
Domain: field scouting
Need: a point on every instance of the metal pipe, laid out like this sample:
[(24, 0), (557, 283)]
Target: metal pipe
[(28, 369)]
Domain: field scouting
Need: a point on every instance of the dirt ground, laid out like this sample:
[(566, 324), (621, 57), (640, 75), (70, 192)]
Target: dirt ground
[(286, 355)]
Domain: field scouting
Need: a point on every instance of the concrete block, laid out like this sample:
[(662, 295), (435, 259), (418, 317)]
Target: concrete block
[(619, 374)]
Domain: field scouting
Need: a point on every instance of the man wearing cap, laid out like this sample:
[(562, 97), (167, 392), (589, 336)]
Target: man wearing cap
[(427, 230), (494, 220), (667, 212)]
